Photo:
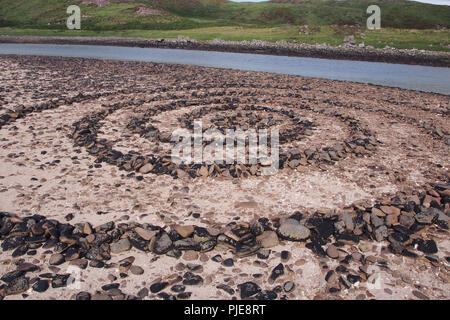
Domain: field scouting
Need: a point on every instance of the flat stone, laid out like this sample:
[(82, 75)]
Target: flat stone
[(289, 286), (347, 218), (268, 239), (184, 231), (427, 216), (146, 168), (80, 263), (136, 270), (381, 233), (146, 234), (142, 293), (406, 221), (378, 212), (420, 295), (190, 255), (56, 259), (163, 244), (332, 252), (120, 246), (291, 229), (376, 220), (390, 210)]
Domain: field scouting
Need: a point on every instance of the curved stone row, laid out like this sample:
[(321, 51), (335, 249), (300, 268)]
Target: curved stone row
[(23, 111), (402, 220), (85, 134)]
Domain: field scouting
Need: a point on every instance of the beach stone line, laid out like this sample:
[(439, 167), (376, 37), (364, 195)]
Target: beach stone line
[(243, 239)]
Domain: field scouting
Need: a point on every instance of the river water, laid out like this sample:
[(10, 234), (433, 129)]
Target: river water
[(429, 79)]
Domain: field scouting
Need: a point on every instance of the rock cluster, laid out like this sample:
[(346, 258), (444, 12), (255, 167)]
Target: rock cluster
[(401, 220)]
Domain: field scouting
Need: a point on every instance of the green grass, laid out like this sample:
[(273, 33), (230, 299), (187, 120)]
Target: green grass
[(404, 24)]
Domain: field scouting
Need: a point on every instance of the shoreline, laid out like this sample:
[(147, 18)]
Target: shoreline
[(343, 52)]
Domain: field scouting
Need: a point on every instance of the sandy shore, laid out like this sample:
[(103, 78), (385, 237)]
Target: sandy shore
[(343, 52), (46, 170)]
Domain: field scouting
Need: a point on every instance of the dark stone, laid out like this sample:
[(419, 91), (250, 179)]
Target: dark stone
[(408, 253), (348, 238), (178, 288), (83, 295), (12, 275), (226, 288), (334, 290), (341, 269), (96, 264), (142, 293), (20, 251), (137, 242), (277, 272), (187, 244), (40, 285), (17, 286), (266, 295), (248, 289), (228, 262), (315, 247), (428, 246), (157, 287), (207, 245), (163, 244), (398, 237), (27, 267), (353, 278), (110, 286), (285, 255), (60, 280), (191, 279), (329, 275), (184, 295), (325, 229), (12, 242), (166, 296)]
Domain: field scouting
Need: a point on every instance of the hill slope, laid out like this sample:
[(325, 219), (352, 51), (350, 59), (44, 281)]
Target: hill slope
[(176, 14), (422, 26)]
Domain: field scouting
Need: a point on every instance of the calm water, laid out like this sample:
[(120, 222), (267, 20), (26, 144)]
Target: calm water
[(430, 79)]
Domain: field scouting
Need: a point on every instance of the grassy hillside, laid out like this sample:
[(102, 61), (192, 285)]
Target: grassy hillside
[(423, 26)]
